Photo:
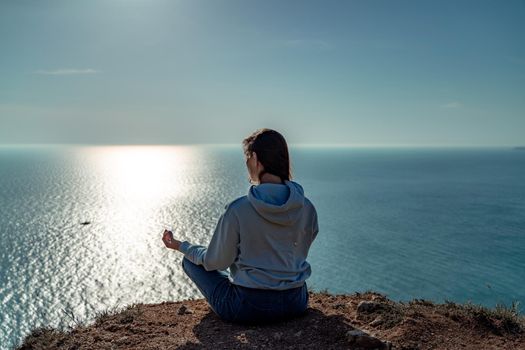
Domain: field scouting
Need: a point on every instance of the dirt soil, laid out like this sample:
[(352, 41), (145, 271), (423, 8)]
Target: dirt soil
[(358, 321)]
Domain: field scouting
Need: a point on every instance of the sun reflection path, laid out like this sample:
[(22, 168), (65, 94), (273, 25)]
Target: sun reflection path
[(138, 188), (142, 173), (138, 181)]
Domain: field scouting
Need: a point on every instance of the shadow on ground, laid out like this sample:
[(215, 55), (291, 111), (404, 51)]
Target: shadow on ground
[(314, 330)]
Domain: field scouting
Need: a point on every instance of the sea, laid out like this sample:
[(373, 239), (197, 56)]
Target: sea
[(80, 226)]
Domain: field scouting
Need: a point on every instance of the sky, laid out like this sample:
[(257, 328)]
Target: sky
[(445, 73)]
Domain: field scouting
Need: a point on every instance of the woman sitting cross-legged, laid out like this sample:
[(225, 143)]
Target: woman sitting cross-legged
[(263, 238)]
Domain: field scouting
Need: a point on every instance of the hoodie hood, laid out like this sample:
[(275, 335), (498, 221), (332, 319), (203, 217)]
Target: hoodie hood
[(277, 203)]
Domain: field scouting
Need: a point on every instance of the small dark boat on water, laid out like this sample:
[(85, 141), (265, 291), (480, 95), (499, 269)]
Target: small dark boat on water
[(84, 223)]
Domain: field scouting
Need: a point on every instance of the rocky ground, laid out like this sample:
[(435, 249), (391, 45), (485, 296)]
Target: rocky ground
[(358, 321)]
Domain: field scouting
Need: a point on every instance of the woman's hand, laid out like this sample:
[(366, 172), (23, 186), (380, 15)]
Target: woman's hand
[(169, 241)]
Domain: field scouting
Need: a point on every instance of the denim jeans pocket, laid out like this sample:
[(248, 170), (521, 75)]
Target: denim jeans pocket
[(258, 308)]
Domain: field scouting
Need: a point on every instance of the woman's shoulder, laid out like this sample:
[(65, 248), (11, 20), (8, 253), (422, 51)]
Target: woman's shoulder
[(308, 203), (237, 203)]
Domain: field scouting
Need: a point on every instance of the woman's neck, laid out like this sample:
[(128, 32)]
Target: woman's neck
[(270, 178)]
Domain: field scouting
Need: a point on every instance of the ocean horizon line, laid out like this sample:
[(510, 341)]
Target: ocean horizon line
[(291, 145)]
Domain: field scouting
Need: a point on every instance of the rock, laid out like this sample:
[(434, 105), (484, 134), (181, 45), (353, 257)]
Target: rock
[(368, 306), (377, 322), (242, 338), (354, 333), (183, 310), (361, 340)]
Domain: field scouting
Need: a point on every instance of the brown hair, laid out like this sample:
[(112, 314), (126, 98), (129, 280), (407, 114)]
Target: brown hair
[(272, 152)]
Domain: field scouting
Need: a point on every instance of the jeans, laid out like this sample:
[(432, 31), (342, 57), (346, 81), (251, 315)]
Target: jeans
[(239, 304)]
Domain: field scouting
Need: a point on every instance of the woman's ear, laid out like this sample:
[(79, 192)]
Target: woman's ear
[(257, 163)]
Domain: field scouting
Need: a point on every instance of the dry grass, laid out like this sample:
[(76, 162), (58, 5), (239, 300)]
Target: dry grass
[(44, 338), (499, 320), (122, 315)]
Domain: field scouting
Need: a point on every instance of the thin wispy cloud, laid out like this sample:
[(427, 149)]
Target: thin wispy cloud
[(67, 71), (454, 104)]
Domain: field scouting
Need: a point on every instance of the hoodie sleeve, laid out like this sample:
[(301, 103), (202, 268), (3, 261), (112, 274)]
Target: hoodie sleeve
[(222, 250), (315, 224)]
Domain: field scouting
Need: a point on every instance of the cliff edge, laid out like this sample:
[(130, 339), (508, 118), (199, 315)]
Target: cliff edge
[(358, 321)]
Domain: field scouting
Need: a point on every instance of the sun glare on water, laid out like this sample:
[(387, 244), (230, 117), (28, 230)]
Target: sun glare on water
[(139, 186), (142, 174)]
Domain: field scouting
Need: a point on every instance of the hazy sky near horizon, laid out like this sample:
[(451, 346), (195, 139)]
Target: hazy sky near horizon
[(355, 72)]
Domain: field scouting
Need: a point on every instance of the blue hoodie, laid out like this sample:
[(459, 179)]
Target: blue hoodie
[(263, 238)]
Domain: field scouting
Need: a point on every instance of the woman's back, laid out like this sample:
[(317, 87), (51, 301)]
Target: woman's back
[(274, 238), (265, 245)]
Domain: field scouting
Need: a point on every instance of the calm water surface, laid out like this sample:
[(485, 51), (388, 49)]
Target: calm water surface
[(412, 223)]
